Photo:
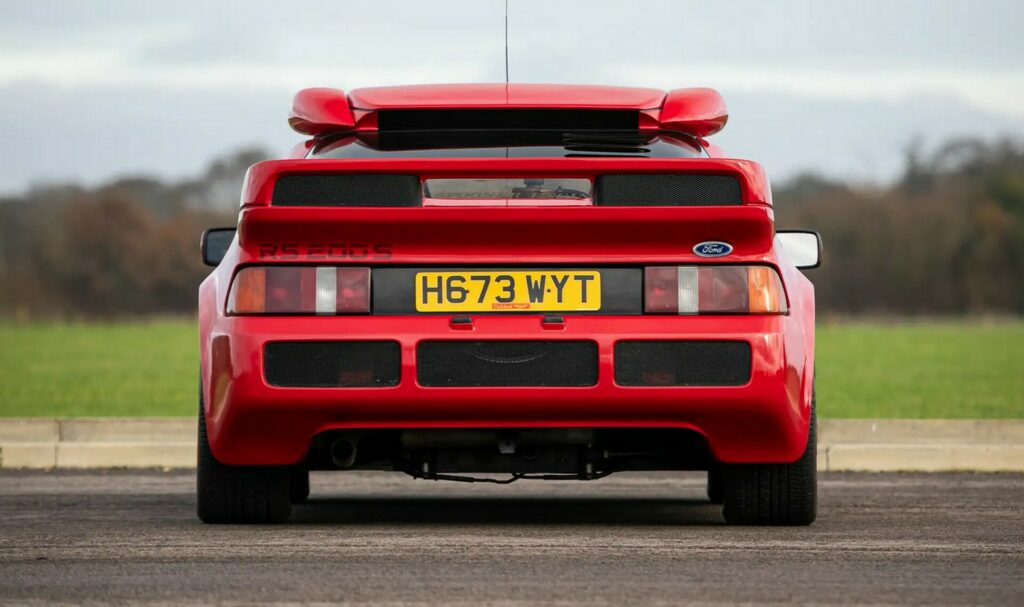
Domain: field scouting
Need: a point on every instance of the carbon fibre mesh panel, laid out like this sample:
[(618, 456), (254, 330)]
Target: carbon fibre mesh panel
[(506, 363), (654, 190), (348, 190), (332, 364), (682, 363)]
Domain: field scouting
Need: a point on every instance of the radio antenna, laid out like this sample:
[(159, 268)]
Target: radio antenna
[(506, 41)]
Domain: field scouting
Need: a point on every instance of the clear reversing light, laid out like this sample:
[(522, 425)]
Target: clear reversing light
[(323, 290), (713, 289)]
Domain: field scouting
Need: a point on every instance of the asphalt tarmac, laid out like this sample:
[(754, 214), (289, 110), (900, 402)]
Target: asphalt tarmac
[(629, 539)]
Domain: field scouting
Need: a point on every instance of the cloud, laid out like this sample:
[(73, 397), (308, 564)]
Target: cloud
[(990, 91), (119, 86), (90, 134)]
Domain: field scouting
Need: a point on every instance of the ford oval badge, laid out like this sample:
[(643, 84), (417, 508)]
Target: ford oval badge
[(712, 248)]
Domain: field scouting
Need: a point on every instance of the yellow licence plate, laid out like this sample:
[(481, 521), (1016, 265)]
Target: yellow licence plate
[(486, 291)]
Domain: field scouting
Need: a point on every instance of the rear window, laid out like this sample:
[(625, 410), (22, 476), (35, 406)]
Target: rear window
[(489, 189), (514, 144)]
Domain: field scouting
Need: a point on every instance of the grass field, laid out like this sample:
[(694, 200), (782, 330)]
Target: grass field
[(938, 369), (969, 369), (120, 369)]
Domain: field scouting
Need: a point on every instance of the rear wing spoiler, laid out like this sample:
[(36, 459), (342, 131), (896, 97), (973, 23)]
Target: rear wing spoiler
[(273, 228), (514, 236), (261, 178), (699, 112)]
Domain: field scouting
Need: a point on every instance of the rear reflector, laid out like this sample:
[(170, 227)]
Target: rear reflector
[(310, 290), (713, 290)]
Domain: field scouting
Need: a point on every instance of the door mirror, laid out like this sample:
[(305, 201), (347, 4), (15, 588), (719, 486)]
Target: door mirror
[(215, 243), (802, 247)]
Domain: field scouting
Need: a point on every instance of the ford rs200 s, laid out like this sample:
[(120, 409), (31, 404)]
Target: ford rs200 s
[(489, 283)]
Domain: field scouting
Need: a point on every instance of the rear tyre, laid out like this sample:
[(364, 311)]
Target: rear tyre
[(239, 494), (715, 489), (299, 485), (774, 494)]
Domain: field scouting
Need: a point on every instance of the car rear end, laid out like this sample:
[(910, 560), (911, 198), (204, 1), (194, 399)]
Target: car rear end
[(498, 318)]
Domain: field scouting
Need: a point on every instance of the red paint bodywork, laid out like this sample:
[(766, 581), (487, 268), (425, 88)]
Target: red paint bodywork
[(505, 95), (319, 111), (697, 111), (252, 423)]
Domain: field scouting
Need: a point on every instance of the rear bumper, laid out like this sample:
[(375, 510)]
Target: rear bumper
[(253, 423)]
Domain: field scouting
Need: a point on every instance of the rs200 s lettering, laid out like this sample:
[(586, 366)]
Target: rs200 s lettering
[(354, 251)]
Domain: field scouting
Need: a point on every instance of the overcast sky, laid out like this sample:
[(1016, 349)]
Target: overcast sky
[(93, 90)]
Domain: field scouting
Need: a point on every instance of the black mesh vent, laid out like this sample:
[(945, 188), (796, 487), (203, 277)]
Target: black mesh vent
[(508, 119), (332, 364), (506, 363), (371, 190), (682, 363), (648, 190)]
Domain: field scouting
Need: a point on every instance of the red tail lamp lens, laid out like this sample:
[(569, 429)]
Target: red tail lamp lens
[(291, 290), (722, 290), (353, 291), (661, 290)]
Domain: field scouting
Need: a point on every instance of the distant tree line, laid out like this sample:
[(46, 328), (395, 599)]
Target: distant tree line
[(126, 248), (946, 238)]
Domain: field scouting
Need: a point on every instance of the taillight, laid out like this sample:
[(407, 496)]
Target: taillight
[(300, 290), (353, 290), (713, 290)]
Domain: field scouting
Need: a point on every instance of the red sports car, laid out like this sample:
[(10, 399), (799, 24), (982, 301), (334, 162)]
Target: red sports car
[(499, 282)]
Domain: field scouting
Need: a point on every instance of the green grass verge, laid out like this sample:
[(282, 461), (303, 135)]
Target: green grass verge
[(122, 369), (967, 369)]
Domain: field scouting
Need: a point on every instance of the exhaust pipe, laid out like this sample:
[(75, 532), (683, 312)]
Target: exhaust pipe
[(343, 452)]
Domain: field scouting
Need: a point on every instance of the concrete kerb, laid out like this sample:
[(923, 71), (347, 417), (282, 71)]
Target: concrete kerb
[(881, 445)]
